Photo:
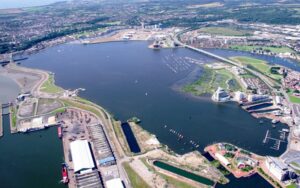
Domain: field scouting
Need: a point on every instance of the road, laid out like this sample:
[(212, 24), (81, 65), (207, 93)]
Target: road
[(266, 80)]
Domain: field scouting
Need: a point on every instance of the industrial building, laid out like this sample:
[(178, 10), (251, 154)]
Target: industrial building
[(220, 95), (222, 159), (114, 183), (258, 98), (88, 180), (277, 168), (81, 155), (104, 154)]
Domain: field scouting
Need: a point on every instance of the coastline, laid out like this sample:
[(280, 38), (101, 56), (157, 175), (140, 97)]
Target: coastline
[(101, 114), (78, 101)]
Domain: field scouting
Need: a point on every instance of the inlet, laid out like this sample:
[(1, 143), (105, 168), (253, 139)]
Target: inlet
[(131, 140), (183, 173)]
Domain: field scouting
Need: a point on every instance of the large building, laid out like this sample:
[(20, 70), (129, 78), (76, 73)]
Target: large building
[(82, 156), (277, 168), (220, 95), (103, 152), (114, 183)]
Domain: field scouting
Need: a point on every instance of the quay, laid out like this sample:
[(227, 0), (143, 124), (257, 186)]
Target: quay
[(88, 154)]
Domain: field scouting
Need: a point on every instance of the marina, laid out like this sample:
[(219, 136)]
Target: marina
[(193, 121), (277, 141)]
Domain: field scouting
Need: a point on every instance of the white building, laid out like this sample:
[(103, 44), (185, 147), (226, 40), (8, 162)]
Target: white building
[(222, 159), (82, 156), (256, 98), (277, 168), (220, 95), (278, 100), (239, 96), (114, 183)]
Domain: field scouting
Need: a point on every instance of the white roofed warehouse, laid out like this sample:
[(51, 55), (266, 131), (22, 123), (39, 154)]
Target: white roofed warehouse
[(114, 183), (81, 155)]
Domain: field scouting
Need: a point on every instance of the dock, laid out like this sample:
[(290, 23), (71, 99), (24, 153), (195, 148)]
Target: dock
[(277, 143)]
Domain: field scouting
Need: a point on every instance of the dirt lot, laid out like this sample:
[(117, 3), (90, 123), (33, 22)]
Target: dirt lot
[(47, 105)]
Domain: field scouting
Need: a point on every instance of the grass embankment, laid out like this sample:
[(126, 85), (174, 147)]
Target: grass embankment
[(170, 180), (258, 65), (13, 115), (135, 179), (50, 87), (210, 80), (276, 50), (266, 176), (225, 31), (293, 99), (292, 186), (83, 106)]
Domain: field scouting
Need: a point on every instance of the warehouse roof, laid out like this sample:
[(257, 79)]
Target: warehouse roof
[(81, 155), (114, 183)]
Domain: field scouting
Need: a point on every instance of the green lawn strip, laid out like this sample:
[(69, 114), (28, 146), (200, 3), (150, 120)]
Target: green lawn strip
[(58, 110), (210, 80), (135, 179), (293, 98), (265, 175), (226, 31), (13, 113), (292, 186), (257, 65), (50, 87), (281, 49), (81, 106), (295, 164)]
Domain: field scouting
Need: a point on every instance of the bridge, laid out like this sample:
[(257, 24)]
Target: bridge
[(266, 80)]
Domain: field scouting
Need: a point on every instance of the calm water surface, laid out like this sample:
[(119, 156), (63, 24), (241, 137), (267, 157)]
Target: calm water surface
[(128, 79), (30, 160)]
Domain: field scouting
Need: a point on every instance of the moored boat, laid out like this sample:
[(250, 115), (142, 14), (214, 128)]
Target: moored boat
[(59, 131), (64, 171)]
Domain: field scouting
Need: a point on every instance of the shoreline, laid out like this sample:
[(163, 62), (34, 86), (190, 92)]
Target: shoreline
[(103, 116), (38, 86)]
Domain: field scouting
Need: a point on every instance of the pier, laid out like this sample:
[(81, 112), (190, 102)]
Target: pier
[(277, 143), (267, 81)]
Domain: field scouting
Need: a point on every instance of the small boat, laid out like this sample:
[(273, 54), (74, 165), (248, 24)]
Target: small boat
[(64, 172), (59, 131), (261, 121), (274, 121)]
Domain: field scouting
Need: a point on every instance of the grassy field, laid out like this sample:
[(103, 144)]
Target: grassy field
[(271, 49), (210, 80), (13, 113), (226, 31), (50, 87), (292, 186), (81, 106), (293, 98), (135, 179), (258, 65)]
